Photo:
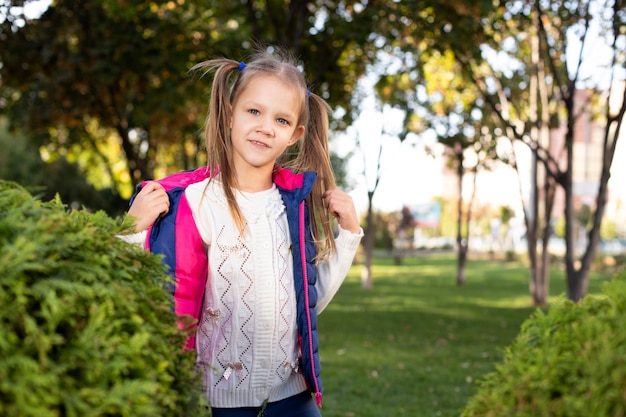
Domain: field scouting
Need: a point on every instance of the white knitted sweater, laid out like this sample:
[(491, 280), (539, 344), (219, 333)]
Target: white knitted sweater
[(247, 336)]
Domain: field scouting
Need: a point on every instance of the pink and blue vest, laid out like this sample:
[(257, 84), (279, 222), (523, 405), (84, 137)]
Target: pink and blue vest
[(176, 237)]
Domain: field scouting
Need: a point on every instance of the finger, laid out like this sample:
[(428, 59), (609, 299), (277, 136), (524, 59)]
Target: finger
[(161, 203), (155, 199), (330, 196), (153, 186), (165, 206), (157, 194)]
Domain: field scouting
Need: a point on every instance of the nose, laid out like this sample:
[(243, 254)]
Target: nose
[(265, 127)]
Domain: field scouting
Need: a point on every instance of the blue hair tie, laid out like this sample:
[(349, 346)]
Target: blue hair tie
[(242, 66), (308, 93)]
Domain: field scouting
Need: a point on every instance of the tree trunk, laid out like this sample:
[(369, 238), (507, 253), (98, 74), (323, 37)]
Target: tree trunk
[(367, 282), (539, 268), (461, 261), (138, 167), (577, 284), (578, 279), (539, 271), (539, 275), (461, 247)]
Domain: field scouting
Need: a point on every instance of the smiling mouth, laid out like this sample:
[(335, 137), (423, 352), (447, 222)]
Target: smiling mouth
[(257, 143)]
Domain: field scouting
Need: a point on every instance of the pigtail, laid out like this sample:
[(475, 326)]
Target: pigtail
[(314, 155), (217, 129)]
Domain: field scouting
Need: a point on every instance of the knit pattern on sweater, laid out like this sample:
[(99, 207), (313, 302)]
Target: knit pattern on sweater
[(247, 336)]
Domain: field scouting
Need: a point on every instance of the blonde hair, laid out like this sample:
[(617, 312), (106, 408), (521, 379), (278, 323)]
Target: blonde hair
[(311, 151)]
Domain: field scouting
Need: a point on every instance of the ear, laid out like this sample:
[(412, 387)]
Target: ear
[(297, 134)]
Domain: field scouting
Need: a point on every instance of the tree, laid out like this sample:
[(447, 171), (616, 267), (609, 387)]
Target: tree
[(518, 62), (367, 280), (462, 121), (419, 79), (457, 146), (463, 34), (123, 65), (539, 104), (88, 70)]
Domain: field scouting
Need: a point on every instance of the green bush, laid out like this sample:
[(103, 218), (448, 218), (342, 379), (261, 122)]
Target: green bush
[(569, 361), (86, 325)]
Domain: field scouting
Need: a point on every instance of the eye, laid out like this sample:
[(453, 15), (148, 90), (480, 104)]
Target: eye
[(254, 111), (282, 121)]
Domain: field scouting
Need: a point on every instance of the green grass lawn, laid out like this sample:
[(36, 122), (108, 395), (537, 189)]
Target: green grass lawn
[(417, 344)]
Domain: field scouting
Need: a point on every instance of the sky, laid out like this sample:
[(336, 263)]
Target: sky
[(34, 9), (408, 175)]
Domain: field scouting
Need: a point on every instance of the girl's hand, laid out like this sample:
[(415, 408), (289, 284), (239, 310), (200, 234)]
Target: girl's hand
[(151, 202), (340, 205)]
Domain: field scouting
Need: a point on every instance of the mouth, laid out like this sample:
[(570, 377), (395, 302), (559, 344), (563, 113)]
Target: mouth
[(258, 143)]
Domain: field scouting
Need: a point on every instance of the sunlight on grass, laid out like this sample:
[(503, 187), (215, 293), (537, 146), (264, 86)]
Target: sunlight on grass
[(416, 344)]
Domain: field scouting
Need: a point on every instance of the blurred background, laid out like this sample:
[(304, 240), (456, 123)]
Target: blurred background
[(481, 126)]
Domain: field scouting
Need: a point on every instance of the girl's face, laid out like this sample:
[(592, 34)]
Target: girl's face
[(264, 123)]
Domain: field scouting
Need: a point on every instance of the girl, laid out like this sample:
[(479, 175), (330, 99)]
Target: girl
[(250, 241)]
